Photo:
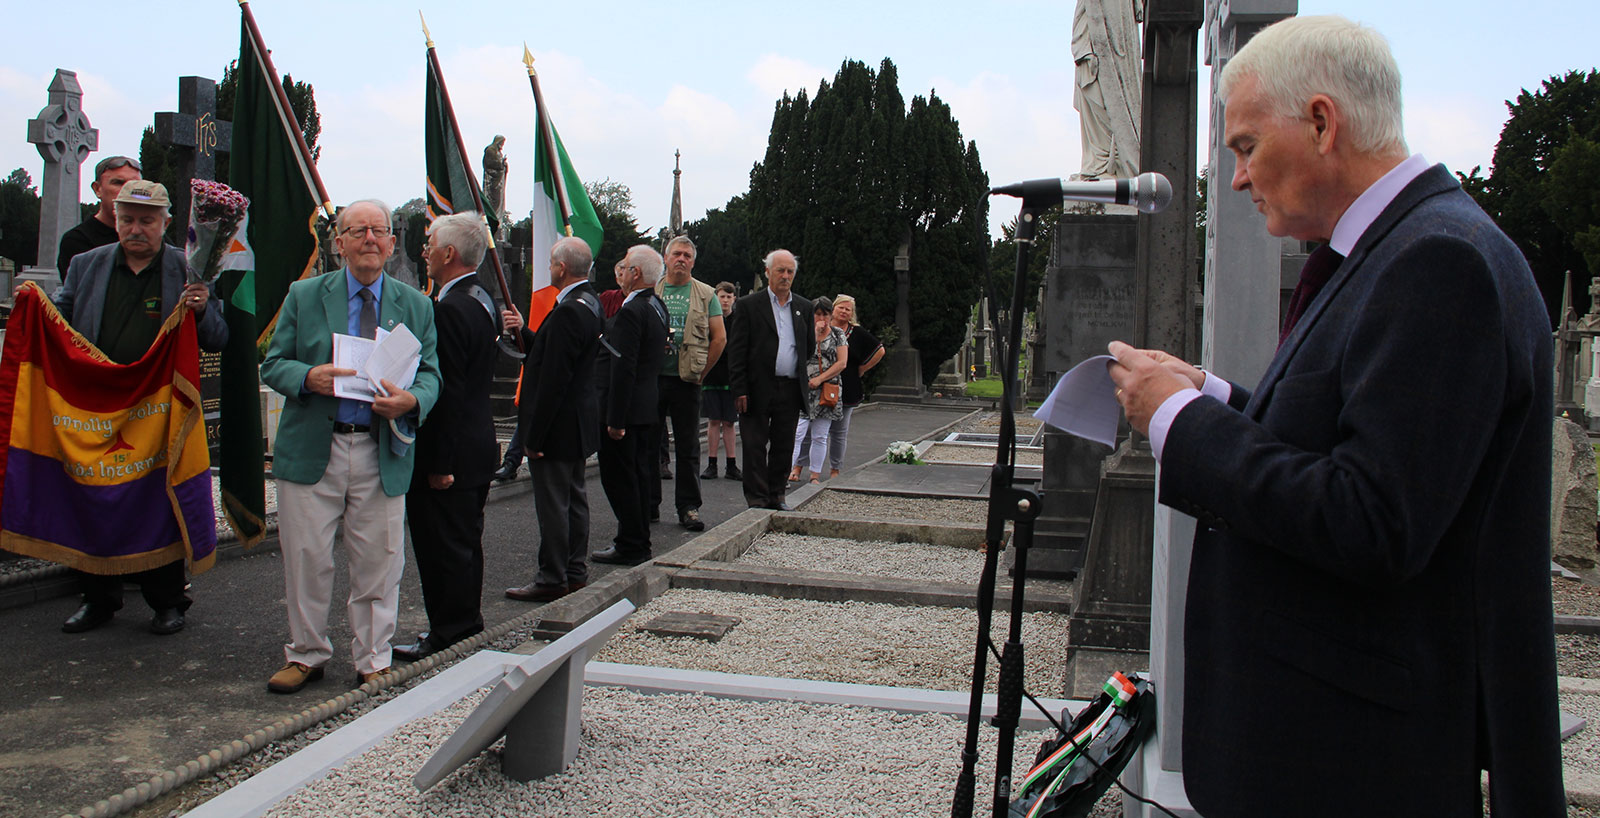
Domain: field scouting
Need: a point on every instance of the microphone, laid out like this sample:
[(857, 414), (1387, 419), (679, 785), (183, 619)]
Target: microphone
[(1148, 192)]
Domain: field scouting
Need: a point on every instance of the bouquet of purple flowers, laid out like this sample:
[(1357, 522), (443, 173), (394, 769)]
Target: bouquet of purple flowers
[(215, 213)]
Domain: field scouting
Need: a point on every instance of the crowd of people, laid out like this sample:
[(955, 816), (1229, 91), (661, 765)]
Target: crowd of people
[(614, 374)]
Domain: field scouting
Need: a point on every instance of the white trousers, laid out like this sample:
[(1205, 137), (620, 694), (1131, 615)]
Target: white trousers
[(374, 538)]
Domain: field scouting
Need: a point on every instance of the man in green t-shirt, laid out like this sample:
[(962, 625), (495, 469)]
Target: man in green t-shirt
[(694, 345)]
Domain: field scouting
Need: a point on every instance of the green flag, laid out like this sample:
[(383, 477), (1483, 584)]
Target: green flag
[(450, 187), (279, 246)]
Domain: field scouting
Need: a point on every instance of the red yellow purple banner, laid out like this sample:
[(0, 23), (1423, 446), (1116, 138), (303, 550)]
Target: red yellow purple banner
[(103, 467)]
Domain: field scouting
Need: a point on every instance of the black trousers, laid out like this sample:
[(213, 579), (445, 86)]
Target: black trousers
[(627, 471), (766, 431), (679, 401), (447, 539), (162, 588)]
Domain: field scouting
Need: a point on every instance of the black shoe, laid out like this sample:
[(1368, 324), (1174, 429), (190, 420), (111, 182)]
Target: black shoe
[(733, 472), (690, 518), (507, 471), (166, 622), (655, 515), (778, 506), (710, 472), (416, 651), (666, 472), (611, 556), (87, 618), (534, 592)]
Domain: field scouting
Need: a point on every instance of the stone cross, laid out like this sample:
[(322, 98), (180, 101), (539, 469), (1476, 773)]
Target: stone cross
[(200, 137), (64, 138)]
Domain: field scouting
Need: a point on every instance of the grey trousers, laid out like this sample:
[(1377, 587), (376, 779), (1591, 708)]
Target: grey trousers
[(562, 503)]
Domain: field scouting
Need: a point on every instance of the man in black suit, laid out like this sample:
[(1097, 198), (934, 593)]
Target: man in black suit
[(1368, 622), (771, 339), (630, 366), (456, 447), (560, 423)]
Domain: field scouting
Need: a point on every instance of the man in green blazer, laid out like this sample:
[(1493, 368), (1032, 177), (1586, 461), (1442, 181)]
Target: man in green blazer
[(345, 459)]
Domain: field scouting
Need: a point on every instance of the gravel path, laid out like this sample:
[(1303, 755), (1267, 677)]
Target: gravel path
[(858, 642)]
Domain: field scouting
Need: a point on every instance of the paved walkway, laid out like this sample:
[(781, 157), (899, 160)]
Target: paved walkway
[(87, 715)]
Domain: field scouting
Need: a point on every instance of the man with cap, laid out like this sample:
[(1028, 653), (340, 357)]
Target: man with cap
[(117, 296), (100, 229)]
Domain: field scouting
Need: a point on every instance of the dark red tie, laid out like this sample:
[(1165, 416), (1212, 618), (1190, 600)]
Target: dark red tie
[(1319, 268)]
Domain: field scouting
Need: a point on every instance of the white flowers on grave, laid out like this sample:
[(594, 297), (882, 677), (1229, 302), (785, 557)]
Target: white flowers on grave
[(902, 451)]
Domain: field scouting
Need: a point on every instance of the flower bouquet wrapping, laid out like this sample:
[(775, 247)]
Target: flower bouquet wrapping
[(215, 213)]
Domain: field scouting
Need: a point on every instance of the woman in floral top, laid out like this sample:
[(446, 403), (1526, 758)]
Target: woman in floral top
[(825, 367)]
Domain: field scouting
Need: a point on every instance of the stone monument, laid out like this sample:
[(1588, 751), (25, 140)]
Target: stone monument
[(1239, 334), (494, 178), (199, 137), (1110, 623), (64, 138), (1105, 56), (1089, 302), (902, 365)]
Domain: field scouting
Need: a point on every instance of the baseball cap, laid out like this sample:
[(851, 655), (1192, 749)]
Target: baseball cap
[(145, 192)]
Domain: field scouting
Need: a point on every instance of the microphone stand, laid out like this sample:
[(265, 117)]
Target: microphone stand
[(1021, 506)]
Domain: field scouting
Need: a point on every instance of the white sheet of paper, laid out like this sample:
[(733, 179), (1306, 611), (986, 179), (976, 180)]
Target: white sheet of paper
[(351, 352), (395, 358), (1084, 403)]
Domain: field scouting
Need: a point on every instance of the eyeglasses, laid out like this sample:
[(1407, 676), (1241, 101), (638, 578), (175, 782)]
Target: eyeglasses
[(379, 232), (114, 162)]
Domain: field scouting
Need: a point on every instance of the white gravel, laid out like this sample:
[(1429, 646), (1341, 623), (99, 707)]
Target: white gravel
[(921, 561), (968, 453), (682, 755), (861, 505), (859, 642)]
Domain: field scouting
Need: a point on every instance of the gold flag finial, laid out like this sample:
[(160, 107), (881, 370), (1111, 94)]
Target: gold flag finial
[(425, 34), (527, 58)]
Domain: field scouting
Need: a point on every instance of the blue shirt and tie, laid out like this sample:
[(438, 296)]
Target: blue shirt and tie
[(355, 412)]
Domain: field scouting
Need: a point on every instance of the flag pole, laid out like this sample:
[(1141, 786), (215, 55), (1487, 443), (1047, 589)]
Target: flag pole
[(472, 186), (547, 136), (308, 168)]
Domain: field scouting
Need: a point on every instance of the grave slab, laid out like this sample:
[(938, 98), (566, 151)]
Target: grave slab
[(710, 627)]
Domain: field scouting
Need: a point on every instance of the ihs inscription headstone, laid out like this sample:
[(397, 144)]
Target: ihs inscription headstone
[(200, 138), (64, 138)]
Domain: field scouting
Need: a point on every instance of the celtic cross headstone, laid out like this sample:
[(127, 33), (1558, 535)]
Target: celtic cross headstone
[(64, 138)]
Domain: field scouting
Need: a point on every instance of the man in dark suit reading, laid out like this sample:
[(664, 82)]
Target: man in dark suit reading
[(456, 448), (560, 423), (769, 344), (630, 367), (1368, 621)]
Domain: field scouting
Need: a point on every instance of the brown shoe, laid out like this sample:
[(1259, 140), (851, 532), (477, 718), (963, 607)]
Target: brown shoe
[(363, 678), (292, 677), (574, 587), (534, 592)]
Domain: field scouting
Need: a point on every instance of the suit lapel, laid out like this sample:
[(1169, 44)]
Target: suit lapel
[(389, 310), (336, 302), (1432, 182)]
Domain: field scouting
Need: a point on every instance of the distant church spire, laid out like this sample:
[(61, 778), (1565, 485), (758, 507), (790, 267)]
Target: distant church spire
[(675, 221)]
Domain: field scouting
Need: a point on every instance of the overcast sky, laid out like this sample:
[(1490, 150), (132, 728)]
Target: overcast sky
[(628, 82)]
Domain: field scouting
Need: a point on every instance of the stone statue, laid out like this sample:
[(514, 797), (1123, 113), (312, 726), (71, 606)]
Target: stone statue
[(494, 174), (1106, 53)]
